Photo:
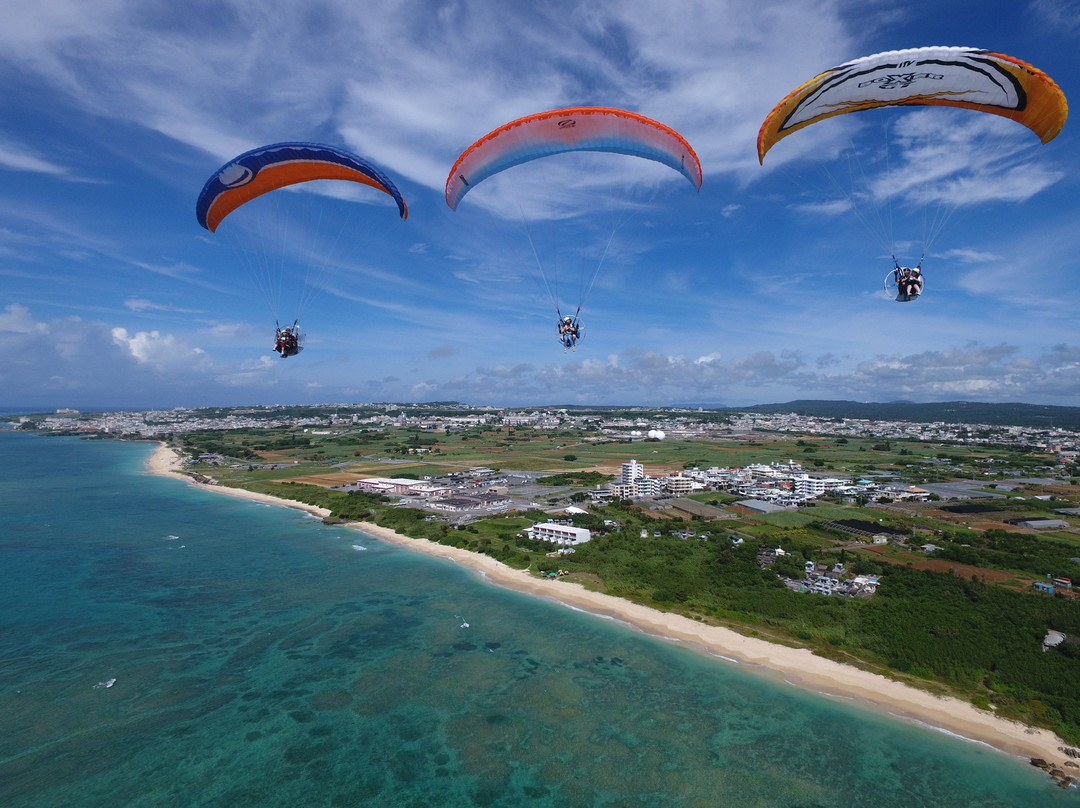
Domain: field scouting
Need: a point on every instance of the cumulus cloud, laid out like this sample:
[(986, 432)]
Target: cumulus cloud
[(974, 372), (153, 348), (88, 359), (423, 390), (94, 364), (17, 319)]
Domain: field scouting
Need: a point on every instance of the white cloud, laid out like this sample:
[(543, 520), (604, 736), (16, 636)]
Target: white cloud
[(16, 319), (446, 78), (968, 255), (153, 348), (86, 359), (20, 158), (983, 372), (140, 304), (231, 330), (95, 364), (1057, 17), (953, 157)]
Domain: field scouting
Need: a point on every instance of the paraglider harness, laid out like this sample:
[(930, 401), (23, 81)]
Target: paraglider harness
[(907, 281), (569, 330), (287, 340)]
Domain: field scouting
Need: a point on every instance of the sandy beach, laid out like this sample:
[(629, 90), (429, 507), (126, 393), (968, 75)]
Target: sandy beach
[(799, 667), (167, 463)]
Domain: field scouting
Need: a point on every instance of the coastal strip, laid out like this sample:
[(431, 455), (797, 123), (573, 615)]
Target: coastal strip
[(799, 667), (165, 462)]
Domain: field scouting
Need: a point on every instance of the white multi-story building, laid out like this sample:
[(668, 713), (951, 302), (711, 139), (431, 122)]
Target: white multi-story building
[(807, 486), (632, 472), (566, 535), (679, 485), (648, 486)]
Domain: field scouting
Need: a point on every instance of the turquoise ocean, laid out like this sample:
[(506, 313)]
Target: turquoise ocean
[(162, 645)]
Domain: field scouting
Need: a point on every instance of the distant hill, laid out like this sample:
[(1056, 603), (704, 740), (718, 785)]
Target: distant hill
[(962, 412)]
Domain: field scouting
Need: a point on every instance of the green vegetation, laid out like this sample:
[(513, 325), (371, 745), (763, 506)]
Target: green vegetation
[(584, 479)]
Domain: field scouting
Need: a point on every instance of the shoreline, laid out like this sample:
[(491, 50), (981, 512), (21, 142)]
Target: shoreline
[(164, 462), (798, 667)]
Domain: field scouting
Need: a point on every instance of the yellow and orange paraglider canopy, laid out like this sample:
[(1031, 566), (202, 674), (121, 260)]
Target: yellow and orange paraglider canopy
[(940, 76)]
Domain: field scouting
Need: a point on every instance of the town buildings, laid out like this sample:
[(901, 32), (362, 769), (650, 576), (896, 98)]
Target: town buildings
[(671, 423)]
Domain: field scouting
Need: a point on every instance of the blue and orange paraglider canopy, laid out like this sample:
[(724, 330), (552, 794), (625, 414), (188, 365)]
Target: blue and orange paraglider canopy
[(269, 168)]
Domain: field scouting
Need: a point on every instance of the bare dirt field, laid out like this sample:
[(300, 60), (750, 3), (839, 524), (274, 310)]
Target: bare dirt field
[(965, 570), (990, 576)]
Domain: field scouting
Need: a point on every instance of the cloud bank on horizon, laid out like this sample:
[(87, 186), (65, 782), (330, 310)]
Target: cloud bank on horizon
[(762, 287)]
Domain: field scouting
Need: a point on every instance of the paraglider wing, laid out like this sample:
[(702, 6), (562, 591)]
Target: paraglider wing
[(572, 129), (271, 167), (940, 76)]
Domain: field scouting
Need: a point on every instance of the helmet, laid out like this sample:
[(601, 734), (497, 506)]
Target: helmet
[(566, 319)]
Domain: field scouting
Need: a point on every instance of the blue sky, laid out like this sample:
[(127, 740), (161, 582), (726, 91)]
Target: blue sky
[(759, 288)]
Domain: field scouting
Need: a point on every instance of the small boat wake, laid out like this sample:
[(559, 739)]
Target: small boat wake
[(107, 683)]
